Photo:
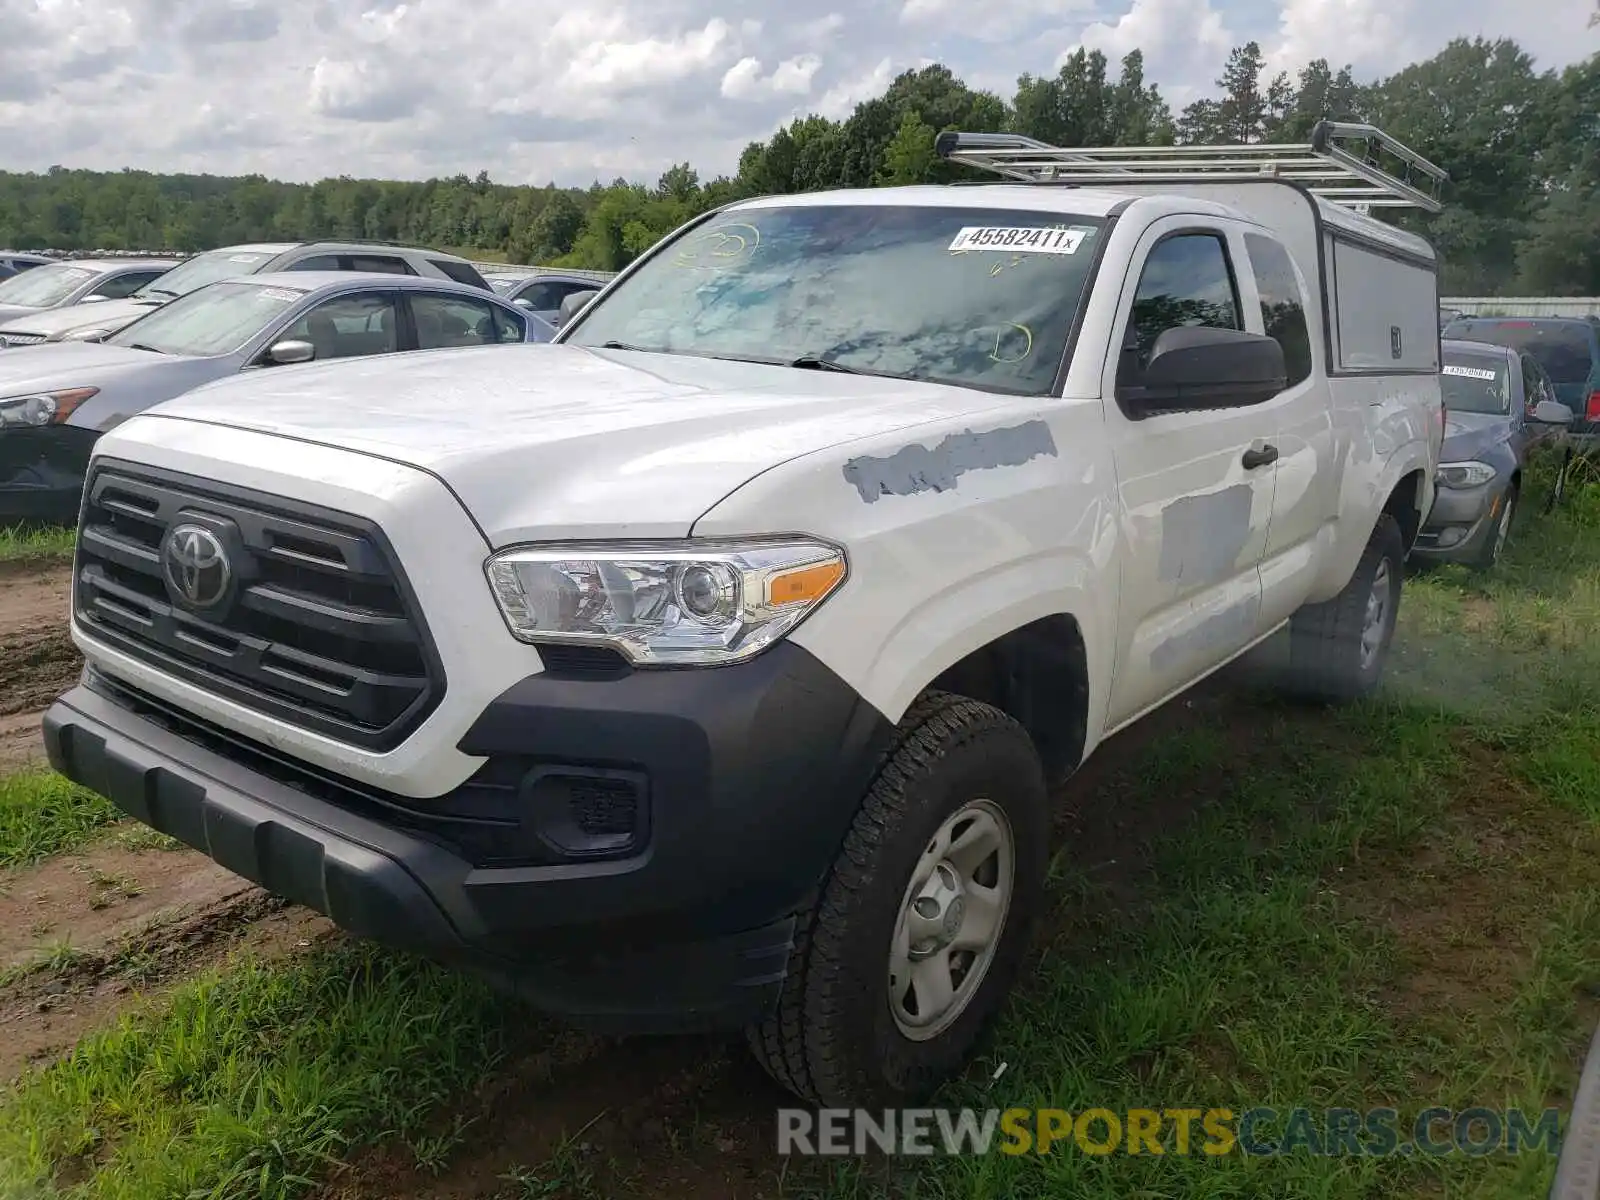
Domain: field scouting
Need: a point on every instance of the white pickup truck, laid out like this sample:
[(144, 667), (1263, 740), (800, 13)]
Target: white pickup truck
[(711, 667)]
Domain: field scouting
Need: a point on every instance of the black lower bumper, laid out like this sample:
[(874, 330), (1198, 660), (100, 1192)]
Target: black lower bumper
[(690, 931), (41, 473)]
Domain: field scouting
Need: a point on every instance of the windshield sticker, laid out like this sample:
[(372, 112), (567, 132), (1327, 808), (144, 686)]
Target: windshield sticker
[(288, 295), (1469, 372), (1019, 239)]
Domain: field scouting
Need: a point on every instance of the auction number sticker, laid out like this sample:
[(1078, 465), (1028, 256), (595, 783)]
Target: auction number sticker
[(1469, 372), (1019, 238), (288, 295)]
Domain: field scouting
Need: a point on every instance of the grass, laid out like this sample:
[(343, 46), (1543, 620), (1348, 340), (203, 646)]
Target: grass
[(19, 543), (1393, 905), (41, 813)]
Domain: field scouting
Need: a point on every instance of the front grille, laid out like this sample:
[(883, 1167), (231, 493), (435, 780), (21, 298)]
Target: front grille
[(319, 627), (22, 339)]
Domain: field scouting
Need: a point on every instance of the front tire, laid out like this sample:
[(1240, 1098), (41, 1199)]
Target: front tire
[(919, 930), (1495, 545), (1337, 649)]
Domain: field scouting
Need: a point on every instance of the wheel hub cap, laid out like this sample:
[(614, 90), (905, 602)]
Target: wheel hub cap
[(1376, 616), (950, 920)]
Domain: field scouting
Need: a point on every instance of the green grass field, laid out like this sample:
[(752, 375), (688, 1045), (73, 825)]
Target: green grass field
[(19, 543), (1395, 905)]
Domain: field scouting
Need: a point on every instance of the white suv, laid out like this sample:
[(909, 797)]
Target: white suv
[(713, 665)]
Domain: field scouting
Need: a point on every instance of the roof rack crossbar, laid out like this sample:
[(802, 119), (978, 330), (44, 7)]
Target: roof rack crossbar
[(1355, 165)]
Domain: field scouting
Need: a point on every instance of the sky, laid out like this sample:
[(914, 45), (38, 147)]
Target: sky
[(535, 91)]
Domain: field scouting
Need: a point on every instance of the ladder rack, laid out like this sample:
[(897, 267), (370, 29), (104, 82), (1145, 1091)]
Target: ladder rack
[(1358, 166)]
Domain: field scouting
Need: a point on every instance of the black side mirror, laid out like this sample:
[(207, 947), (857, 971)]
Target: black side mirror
[(1198, 367)]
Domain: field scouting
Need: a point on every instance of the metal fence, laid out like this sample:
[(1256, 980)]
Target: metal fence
[(1524, 306)]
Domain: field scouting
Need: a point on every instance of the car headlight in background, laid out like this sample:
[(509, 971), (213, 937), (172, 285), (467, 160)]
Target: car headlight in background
[(665, 603), (1464, 474), (83, 335), (41, 408)]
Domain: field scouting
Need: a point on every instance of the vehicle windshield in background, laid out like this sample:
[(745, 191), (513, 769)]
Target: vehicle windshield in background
[(1478, 383), (201, 270), (980, 297), (1562, 348), (217, 321), (44, 286)]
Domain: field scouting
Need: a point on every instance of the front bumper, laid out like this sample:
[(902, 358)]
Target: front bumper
[(751, 774), (1460, 522), (41, 473)]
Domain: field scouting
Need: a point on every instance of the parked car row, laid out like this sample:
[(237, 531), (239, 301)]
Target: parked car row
[(58, 397)]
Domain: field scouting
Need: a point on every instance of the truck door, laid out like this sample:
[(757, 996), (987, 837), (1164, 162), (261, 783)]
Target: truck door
[(1300, 422), (1194, 487)]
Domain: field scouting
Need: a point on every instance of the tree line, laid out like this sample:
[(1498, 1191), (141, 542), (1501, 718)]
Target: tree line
[(1521, 145)]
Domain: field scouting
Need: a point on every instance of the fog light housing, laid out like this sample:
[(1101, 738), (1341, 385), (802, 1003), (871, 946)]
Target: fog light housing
[(584, 812)]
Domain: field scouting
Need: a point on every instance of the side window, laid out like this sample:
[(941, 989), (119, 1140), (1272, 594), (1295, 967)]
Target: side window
[(509, 328), (1283, 309), (543, 296), (317, 262), (1186, 281), (119, 287), (455, 321), (348, 326), (1535, 384), (380, 262)]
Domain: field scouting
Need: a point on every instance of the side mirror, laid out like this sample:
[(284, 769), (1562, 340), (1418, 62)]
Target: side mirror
[(1552, 412), (293, 351), (524, 303), (572, 305), (92, 299), (1198, 367)]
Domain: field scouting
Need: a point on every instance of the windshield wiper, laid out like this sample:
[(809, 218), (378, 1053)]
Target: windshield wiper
[(142, 346), (148, 292), (812, 362), (624, 346)]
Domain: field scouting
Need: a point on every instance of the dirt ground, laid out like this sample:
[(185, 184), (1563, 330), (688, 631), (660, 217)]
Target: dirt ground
[(37, 658)]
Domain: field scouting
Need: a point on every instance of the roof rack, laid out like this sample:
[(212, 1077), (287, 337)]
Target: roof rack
[(1358, 166)]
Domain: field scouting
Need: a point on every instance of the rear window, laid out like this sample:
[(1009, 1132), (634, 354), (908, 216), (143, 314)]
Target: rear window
[(1563, 349), (461, 272), (1478, 383)]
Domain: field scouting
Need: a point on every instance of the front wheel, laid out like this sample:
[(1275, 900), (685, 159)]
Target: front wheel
[(1337, 649), (1495, 546), (919, 930)]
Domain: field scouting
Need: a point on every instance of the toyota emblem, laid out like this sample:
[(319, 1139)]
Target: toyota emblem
[(196, 565)]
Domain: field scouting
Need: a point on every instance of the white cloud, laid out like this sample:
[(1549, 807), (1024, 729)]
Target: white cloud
[(791, 77), (534, 90), (1185, 42), (838, 101)]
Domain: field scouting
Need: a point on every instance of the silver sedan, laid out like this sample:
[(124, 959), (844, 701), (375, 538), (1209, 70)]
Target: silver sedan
[(56, 399), (77, 281)]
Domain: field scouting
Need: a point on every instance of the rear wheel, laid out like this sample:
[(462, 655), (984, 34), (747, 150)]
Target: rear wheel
[(1337, 649), (918, 932)]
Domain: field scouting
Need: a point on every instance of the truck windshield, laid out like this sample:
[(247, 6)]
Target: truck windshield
[(1478, 383), (978, 297), (218, 320)]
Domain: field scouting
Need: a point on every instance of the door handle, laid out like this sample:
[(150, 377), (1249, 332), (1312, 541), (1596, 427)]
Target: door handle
[(1254, 458)]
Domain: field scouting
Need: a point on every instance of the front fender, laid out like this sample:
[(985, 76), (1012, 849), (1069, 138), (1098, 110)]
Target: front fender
[(938, 571), (1363, 498)]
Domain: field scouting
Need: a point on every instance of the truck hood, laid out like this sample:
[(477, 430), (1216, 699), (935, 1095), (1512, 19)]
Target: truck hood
[(554, 441), (110, 315)]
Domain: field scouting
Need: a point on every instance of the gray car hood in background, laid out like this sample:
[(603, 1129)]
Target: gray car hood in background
[(129, 380), (1467, 434), (10, 312), (110, 315)]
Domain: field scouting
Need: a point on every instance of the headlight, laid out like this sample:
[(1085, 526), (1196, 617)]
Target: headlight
[(81, 335), (41, 408), (1464, 474), (665, 603)]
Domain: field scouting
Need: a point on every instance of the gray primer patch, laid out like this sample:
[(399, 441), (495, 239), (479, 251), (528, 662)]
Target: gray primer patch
[(1231, 627), (1203, 536), (914, 468)]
